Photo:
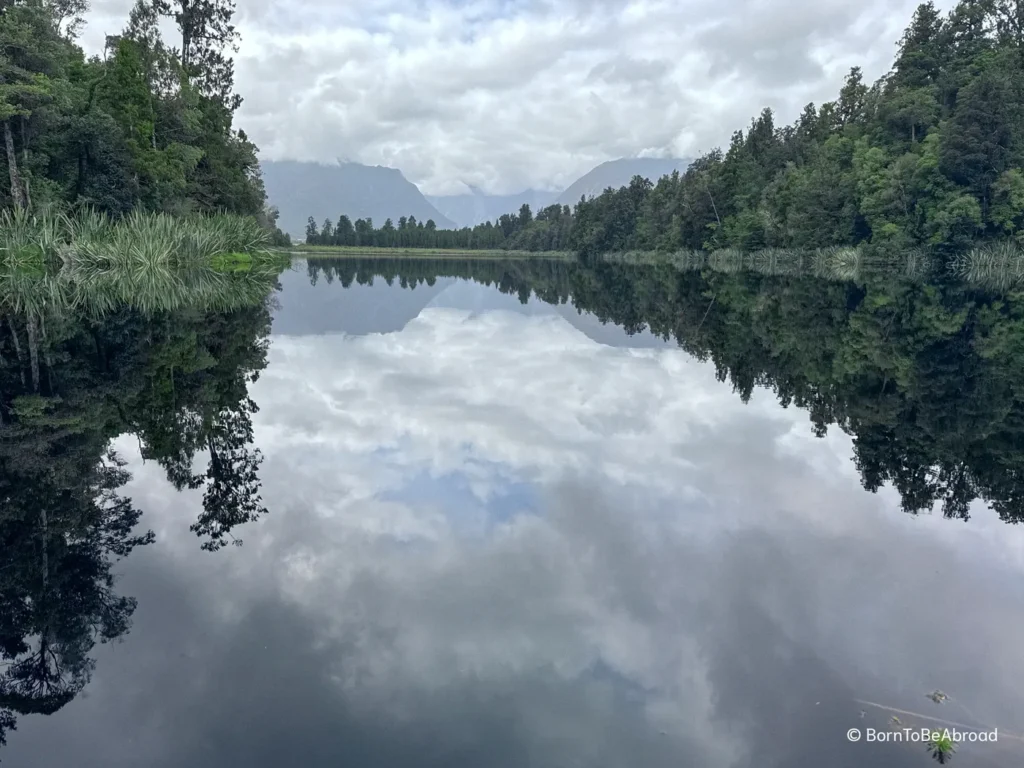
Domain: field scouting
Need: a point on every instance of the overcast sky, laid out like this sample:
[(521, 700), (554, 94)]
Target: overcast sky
[(506, 94)]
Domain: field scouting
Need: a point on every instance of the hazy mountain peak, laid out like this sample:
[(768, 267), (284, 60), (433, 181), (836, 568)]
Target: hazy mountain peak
[(300, 190), (618, 173)]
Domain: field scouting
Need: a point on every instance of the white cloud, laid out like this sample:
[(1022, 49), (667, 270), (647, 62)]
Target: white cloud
[(505, 94)]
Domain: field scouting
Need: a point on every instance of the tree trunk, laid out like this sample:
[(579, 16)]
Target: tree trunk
[(33, 350), (17, 349), (17, 185), (47, 357), (44, 524)]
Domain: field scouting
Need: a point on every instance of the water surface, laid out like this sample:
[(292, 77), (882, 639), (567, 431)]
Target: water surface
[(576, 516)]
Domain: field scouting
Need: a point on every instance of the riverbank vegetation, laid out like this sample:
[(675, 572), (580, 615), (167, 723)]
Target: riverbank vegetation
[(95, 238), (334, 251)]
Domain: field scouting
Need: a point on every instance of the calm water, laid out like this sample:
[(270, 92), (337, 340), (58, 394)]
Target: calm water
[(486, 517)]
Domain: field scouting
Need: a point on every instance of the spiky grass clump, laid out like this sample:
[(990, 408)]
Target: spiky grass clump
[(100, 289), (153, 239), (837, 262), (137, 239), (686, 260), (777, 261), (28, 237), (941, 746), (997, 265), (34, 293), (726, 260)]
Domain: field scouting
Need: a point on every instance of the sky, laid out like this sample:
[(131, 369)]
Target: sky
[(510, 94)]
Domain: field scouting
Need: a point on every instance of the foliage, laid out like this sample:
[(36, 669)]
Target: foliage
[(548, 231), (137, 239), (941, 746), (146, 127)]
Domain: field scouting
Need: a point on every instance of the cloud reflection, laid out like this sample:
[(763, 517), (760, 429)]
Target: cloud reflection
[(494, 541)]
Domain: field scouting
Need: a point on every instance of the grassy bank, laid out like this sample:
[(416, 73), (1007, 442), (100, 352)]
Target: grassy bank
[(335, 251), (136, 239)]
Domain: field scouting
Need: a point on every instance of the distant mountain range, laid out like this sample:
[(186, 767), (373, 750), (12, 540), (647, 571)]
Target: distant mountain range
[(478, 207), (618, 173), (300, 190)]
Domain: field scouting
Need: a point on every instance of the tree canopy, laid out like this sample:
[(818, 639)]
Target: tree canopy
[(146, 126)]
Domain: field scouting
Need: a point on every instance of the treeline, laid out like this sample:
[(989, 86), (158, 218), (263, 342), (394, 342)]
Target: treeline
[(548, 231), (146, 126), (925, 378), (930, 154)]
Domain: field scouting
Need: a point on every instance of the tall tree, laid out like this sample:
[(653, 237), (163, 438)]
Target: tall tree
[(208, 37)]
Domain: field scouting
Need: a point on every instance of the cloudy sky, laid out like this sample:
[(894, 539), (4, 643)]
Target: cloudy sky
[(507, 94)]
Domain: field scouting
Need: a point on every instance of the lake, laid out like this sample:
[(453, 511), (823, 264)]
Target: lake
[(441, 512)]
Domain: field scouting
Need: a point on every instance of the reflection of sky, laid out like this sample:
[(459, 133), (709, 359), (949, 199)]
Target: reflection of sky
[(496, 541), (453, 496)]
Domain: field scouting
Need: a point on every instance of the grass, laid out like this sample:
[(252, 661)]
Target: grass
[(96, 291), (312, 251), (51, 263), (997, 265), (941, 746), (136, 239)]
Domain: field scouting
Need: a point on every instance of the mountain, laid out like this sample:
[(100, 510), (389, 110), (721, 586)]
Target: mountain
[(477, 207), (301, 190), (307, 310), (617, 173)]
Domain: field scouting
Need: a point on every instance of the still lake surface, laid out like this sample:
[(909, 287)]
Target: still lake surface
[(489, 518)]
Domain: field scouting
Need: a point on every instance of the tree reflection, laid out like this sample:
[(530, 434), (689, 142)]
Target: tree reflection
[(77, 370), (57, 594)]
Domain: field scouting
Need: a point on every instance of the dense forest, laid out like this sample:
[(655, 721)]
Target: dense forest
[(146, 126), (925, 377), (930, 154)]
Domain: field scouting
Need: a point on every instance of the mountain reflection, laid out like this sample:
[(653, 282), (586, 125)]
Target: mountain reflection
[(167, 357), (925, 376)]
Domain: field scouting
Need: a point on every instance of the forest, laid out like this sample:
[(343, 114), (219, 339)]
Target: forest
[(932, 154), (147, 126)]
